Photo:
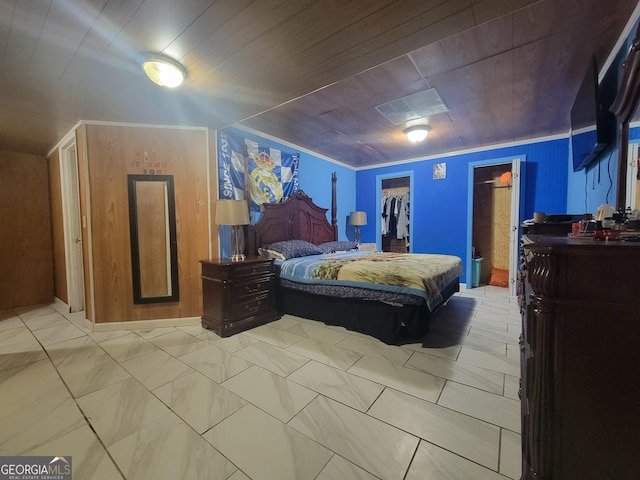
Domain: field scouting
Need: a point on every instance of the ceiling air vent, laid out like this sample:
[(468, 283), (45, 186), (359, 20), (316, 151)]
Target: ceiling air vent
[(412, 107)]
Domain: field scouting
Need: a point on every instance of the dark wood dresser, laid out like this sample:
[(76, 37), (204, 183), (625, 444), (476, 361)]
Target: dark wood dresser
[(237, 296), (580, 385)]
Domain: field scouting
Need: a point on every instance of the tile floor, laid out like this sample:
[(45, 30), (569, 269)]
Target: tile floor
[(294, 399)]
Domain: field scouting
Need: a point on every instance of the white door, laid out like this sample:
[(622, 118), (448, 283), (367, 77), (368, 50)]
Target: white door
[(72, 227), (514, 227)]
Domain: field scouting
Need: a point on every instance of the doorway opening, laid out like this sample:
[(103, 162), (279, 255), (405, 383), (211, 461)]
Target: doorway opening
[(494, 211), (394, 215)]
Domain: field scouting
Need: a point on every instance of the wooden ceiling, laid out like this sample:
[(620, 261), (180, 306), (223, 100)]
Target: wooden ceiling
[(308, 72)]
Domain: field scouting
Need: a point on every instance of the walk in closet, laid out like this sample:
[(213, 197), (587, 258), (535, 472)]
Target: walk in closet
[(395, 215)]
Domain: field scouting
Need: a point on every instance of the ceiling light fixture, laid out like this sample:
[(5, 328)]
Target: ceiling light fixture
[(417, 133), (163, 70)]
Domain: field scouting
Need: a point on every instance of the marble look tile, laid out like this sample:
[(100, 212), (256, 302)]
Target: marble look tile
[(199, 401), (264, 448), (92, 374), (318, 332), (508, 318), (453, 318), (407, 380), (14, 336), (513, 352), (496, 363), (272, 358), (434, 462), (351, 390), (100, 337), (492, 408), (9, 319), (349, 434), (127, 347), (274, 336), (19, 354), (90, 459), (121, 409), (59, 333), (440, 344), (216, 364), (74, 350), (285, 322), (43, 317), (19, 347), (510, 455), (375, 348), (154, 332), (461, 373), (156, 368), (511, 387), (178, 343), (325, 353), (495, 335), (238, 475), (35, 407), (210, 336), (275, 395), (194, 330), (234, 343), (168, 450), (340, 469), (471, 438)]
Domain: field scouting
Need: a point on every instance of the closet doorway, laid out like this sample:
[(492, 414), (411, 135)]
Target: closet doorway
[(394, 216), (493, 220)]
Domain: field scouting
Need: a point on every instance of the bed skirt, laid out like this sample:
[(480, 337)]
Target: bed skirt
[(394, 325)]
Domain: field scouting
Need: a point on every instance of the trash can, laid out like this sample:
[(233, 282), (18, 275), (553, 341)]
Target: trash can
[(475, 272)]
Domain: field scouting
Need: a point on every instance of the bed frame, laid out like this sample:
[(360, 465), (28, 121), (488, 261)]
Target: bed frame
[(298, 218)]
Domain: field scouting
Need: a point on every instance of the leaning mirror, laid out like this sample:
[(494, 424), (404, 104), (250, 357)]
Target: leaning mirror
[(152, 225)]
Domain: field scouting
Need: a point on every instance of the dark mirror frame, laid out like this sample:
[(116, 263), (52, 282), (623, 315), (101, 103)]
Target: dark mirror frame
[(135, 246)]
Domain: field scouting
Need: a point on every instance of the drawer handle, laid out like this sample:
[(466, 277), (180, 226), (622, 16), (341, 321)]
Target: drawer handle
[(252, 290), (250, 308)]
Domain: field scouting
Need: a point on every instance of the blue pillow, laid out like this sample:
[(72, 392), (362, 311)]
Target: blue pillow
[(338, 246), (293, 248)]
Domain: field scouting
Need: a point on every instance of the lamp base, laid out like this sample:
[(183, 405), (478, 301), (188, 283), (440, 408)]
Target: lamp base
[(237, 243), (238, 257)]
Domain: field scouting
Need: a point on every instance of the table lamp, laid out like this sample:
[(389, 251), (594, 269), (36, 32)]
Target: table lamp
[(236, 214), (357, 219)]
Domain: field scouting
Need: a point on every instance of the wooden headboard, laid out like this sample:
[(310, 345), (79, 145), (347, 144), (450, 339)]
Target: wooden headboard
[(297, 218)]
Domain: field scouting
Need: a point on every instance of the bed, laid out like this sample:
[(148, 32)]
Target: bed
[(337, 288)]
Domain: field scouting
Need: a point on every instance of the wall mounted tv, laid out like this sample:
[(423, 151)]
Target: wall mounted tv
[(593, 126)]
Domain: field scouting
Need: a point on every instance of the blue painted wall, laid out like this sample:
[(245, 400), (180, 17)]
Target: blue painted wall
[(440, 206), (314, 176)]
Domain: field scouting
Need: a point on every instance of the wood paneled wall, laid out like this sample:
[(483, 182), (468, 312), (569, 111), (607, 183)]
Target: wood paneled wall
[(26, 264), (57, 228), (112, 153)]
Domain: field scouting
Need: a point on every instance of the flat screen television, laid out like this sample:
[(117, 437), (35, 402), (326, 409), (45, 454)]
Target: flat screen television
[(593, 126)]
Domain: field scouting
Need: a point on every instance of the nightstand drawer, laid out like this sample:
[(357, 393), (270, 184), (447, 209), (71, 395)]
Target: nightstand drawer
[(252, 307), (252, 270), (249, 290)]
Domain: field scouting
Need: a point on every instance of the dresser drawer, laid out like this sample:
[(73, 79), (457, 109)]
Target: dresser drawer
[(254, 306), (249, 290)]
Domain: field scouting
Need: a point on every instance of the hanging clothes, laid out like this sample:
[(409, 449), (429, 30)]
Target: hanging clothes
[(402, 223)]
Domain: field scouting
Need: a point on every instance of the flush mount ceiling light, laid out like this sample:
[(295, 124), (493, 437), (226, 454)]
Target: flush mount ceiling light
[(417, 133), (163, 70)]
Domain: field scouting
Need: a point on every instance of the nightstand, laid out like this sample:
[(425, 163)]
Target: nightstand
[(237, 296)]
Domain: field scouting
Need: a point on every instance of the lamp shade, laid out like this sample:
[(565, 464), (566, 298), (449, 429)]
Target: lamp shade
[(358, 218), (232, 212)]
